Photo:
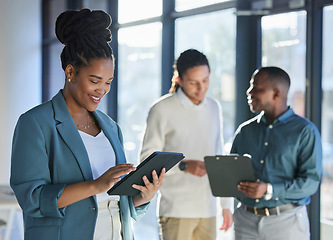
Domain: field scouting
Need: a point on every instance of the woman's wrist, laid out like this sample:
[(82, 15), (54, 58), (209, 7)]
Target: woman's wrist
[(138, 200), (93, 187)]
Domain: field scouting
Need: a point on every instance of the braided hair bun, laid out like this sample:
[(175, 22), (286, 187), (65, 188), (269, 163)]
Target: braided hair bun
[(85, 35)]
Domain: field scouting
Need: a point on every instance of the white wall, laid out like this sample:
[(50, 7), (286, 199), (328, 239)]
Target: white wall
[(20, 69)]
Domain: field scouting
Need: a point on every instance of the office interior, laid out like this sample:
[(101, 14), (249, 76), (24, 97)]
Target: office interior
[(238, 36)]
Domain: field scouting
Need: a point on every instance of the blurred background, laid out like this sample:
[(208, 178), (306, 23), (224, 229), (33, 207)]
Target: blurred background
[(148, 35)]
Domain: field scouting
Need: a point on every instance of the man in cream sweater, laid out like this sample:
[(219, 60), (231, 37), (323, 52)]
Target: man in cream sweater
[(187, 121)]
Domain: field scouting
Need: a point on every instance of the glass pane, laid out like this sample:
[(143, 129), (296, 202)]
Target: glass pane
[(139, 84), (182, 5), (132, 10), (55, 8), (327, 126), (57, 75), (216, 39), (284, 45), (96, 4)]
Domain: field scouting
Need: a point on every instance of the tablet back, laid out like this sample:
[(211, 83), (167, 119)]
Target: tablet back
[(225, 173), (156, 161)]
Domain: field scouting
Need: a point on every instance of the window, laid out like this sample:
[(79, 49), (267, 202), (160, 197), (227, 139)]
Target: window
[(97, 4), (284, 45), (327, 122), (57, 75), (53, 75), (182, 5), (132, 10), (139, 83)]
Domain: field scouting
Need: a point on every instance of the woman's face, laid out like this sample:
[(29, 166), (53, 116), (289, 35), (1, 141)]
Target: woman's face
[(88, 85)]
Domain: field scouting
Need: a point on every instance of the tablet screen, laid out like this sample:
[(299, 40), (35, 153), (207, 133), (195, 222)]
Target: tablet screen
[(156, 161)]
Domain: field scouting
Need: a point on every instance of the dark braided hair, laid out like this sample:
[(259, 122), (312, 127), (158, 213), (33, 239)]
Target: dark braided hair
[(85, 35), (187, 59)]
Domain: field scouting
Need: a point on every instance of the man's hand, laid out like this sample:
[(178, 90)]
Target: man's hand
[(227, 219), (196, 167), (253, 189)]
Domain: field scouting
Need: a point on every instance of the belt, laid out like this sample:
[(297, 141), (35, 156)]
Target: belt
[(109, 203), (270, 211)]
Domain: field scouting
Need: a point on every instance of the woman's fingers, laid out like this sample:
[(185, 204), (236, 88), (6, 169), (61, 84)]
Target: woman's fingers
[(147, 184), (140, 188), (148, 191), (151, 186), (112, 175), (161, 177), (146, 181), (156, 180), (121, 169)]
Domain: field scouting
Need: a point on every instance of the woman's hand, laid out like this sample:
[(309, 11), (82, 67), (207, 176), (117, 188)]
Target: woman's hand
[(148, 191), (78, 191), (111, 176)]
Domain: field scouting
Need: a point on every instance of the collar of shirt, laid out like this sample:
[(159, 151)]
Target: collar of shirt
[(283, 118), (186, 102)]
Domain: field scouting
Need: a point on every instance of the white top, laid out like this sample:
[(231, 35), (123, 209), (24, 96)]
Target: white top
[(175, 124), (101, 156)]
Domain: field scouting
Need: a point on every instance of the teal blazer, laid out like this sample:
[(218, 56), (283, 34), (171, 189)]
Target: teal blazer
[(47, 154)]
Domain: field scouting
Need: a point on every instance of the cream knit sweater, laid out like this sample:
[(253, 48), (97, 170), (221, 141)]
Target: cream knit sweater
[(175, 124)]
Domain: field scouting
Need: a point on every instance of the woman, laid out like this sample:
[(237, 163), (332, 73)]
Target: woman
[(66, 154)]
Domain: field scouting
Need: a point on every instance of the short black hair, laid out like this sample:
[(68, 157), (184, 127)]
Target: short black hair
[(85, 35), (276, 74)]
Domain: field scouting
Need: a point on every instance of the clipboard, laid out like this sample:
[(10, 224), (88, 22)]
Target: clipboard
[(156, 161), (225, 172)]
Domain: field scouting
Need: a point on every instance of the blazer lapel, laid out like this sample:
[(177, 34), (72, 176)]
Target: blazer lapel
[(70, 135), (111, 132)]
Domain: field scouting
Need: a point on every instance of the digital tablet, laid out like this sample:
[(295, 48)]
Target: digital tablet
[(156, 161), (226, 172)]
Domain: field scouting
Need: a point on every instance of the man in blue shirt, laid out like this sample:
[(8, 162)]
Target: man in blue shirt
[(286, 156)]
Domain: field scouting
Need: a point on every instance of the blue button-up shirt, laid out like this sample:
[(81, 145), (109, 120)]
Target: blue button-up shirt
[(287, 154)]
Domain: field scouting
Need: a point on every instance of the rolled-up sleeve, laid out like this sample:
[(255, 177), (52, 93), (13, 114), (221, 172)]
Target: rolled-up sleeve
[(30, 172)]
